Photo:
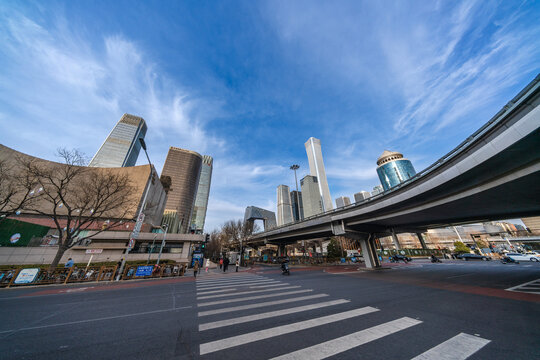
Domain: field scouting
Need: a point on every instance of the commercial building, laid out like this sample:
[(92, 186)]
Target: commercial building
[(377, 190), (316, 168), (361, 196), (284, 208), (342, 201), (203, 192), (297, 207), (311, 197), (393, 169), (184, 168), (122, 146)]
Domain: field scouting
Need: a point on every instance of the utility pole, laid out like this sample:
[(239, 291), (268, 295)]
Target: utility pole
[(294, 168)]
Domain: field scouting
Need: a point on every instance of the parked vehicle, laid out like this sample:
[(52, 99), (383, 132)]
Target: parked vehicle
[(523, 257), (507, 259), (396, 258), (468, 257), (434, 259)]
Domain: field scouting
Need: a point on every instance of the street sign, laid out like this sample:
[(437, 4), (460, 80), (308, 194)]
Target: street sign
[(131, 243), (26, 276), (138, 225), (145, 270), (94, 251)]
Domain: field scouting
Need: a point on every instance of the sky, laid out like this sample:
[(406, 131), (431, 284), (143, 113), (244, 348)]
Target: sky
[(248, 82)]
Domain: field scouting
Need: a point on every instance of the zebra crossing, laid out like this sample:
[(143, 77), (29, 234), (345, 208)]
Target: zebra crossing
[(239, 301), (531, 287)]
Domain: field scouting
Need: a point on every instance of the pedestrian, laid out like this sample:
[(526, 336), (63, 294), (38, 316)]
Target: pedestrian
[(237, 264), (220, 263), (225, 264), (207, 265), (69, 263), (195, 268)]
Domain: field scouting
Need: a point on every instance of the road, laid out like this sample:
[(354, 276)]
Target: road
[(453, 310)]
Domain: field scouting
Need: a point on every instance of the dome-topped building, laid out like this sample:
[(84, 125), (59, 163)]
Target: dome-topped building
[(393, 169)]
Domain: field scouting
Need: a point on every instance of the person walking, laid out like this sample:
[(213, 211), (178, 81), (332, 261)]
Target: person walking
[(237, 264), (195, 268), (220, 263), (225, 264), (207, 265)]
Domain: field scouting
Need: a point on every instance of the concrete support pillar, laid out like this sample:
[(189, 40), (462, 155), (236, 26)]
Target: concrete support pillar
[(369, 251), (281, 250), (421, 239), (396, 241)]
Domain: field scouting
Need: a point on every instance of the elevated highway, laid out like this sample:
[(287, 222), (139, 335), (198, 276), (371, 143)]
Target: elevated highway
[(494, 174)]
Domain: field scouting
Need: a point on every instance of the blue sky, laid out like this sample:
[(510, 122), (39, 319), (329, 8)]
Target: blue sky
[(248, 82)]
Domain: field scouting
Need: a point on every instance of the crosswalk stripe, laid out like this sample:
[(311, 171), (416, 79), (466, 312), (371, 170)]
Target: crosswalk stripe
[(216, 291), (246, 292), (243, 283), (267, 286), (459, 347), (259, 305), (219, 302), (248, 318), (226, 282), (208, 281), (233, 341), (344, 343)]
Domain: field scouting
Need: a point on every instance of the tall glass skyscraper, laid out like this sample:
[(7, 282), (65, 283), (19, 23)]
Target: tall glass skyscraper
[(297, 207), (316, 168), (393, 169), (201, 200), (311, 197), (122, 146), (284, 208)]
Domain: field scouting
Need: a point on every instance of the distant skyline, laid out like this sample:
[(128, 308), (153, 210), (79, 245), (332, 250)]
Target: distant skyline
[(248, 82)]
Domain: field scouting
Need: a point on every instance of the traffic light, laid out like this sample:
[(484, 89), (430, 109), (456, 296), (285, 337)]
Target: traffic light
[(203, 246)]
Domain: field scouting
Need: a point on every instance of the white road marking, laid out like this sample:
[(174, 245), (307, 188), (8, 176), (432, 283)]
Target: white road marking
[(344, 343), (228, 301), (259, 305), (247, 292), (267, 286), (248, 318), (91, 320), (527, 284), (222, 344), (243, 283), (226, 282), (459, 347), (230, 279), (216, 291)]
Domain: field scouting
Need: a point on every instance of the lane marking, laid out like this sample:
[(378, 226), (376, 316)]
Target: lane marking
[(216, 291), (203, 282), (259, 305), (344, 343), (456, 276), (92, 320), (233, 341), (228, 301), (242, 283), (460, 347), (229, 282), (247, 292), (526, 287), (267, 286), (248, 318)]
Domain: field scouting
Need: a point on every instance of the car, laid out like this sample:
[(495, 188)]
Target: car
[(468, 257), (523, 257), (398, 257)]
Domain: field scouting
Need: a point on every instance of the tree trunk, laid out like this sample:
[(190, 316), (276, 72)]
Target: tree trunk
[(57, 258)]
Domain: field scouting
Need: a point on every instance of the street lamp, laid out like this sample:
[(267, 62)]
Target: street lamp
[(166, 226), (152, 248), (294, 168)]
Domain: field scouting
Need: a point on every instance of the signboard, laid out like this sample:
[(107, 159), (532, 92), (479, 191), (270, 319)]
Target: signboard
[(145, 270), (14, 238), (26, 276), (197, 256), (94, 251), (265, 257), (131, 243)]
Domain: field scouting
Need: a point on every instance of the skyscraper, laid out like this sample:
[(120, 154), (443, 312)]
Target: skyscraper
[(316, 168), (377, 190), (297, 207), (184, 168), (122, 146), (342, 201), (311, 197), (360, 196), (284, 209), (201, 200), (393, 169)]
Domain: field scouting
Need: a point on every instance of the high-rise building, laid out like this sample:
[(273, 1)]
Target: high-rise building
[(361, 196), (377, 190), (184, 168), (297, 207), (122, 146), (393, 169), (284, 208), (201, 200), (311, 197), (316, 168), (342, 201)]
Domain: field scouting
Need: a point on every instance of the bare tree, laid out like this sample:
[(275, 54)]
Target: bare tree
[(15, 190), (78, 198)]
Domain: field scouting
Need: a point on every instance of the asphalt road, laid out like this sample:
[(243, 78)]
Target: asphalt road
[(453, 310)]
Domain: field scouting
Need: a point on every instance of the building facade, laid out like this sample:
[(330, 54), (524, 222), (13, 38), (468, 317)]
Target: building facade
[(203, 192), (316, 168), (284, 208), (377, 190), (122, 146), (342, 201), (311, 197), (361, 196), (393, 169), (184, 168), (297, 207)]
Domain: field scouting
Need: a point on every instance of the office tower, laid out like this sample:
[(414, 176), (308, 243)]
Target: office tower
[(393, 169), (342, 201), (201, 200), (122, 146), (297, 207), (316, 168), (284, 209), (377, 190), (311, 197), (361, 196), (184, 168)]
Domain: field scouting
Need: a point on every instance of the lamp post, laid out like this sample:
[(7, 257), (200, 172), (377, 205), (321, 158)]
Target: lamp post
[(143, 205), (152, 248), (165, 227), (294, 168)]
